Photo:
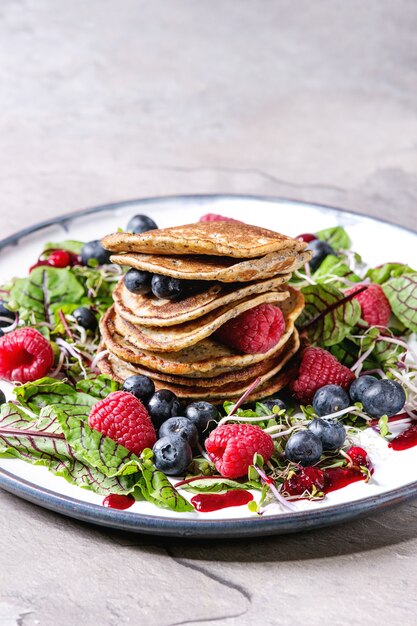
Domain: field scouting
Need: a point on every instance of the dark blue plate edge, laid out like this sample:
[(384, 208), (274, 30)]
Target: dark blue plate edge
[(222, 529), (177, 527)]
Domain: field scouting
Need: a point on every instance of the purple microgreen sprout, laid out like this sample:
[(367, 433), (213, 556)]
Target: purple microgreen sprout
[(276, 492)]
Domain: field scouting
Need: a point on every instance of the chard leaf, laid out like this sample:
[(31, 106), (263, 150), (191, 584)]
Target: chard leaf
[(98, 386), (43, 292), (70, 245), (47, 392), (333, 267), (402, 295), (382, 274), (337, 237), (215, 485), (39, 440), (326, 316), (113, 459)]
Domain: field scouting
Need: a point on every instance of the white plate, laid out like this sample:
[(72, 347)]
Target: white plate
[(395, 477)]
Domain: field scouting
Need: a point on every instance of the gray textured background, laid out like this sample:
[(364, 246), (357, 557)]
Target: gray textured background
[(104, 100)]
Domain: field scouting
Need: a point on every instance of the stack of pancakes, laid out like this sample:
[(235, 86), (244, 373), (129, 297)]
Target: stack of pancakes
[(174, 342)]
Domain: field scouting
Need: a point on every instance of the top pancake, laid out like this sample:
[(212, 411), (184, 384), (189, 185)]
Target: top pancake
[(230, 239)]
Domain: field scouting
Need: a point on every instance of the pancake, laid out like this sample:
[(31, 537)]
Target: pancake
[(243, 373), (208, 358), (175, 338), (222, 269), (119, 370), (148, 310), (231, 239)]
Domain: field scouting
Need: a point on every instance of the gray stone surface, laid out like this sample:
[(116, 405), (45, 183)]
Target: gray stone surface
[(106, 100)]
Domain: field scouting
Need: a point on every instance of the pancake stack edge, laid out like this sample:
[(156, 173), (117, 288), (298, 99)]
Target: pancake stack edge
[(238, 267)]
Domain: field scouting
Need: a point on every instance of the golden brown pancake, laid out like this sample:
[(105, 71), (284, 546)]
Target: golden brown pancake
[(207, 358), (231, 239), (148, 310), (119, 370), (175, 338), (222, 269)]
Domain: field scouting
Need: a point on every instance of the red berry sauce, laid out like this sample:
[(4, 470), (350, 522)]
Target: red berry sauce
[(405, 440), (207, 502), (118, 501), (338, 477), (326, 480)]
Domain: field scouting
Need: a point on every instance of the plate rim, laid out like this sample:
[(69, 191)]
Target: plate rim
[(186, 527)]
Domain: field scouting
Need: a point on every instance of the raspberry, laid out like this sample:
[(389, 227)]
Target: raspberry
[(25, 355), (231, 448), (213, 217), (359, 457), (256, 330), (318, 368), (375, 307), (123, 418)]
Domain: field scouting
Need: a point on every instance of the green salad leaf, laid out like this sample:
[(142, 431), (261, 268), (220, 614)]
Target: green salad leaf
[(39, 440), (336, 236), (215, 485), (328, 316), (401, 292), (43, 292), (69, 245), (331, 269), (56, 431), (383, 273)]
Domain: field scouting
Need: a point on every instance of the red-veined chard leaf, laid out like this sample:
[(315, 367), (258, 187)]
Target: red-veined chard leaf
[(103, 456), (45, 290), (39, 440), (383, 273), (113, 459), (402, 295), (50, 392), (99, 386), (327, 316)]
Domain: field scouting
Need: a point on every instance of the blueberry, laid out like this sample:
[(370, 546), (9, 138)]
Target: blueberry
[(2, 397), (180, 427), (360, 385), (320, 250), (385, 397), (85, 318), (172, 455), (140, 386), (94, 250), (140, 224), (329, 399), (331, 432), (1, 333), (200, 414), (304, 447), (137, 281), (9, 316), (167, 287), (271, 402), (163, 405)]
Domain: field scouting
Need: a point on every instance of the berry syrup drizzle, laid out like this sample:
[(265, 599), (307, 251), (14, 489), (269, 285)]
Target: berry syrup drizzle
[(208, 502), (405, 440), (118, 501)]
